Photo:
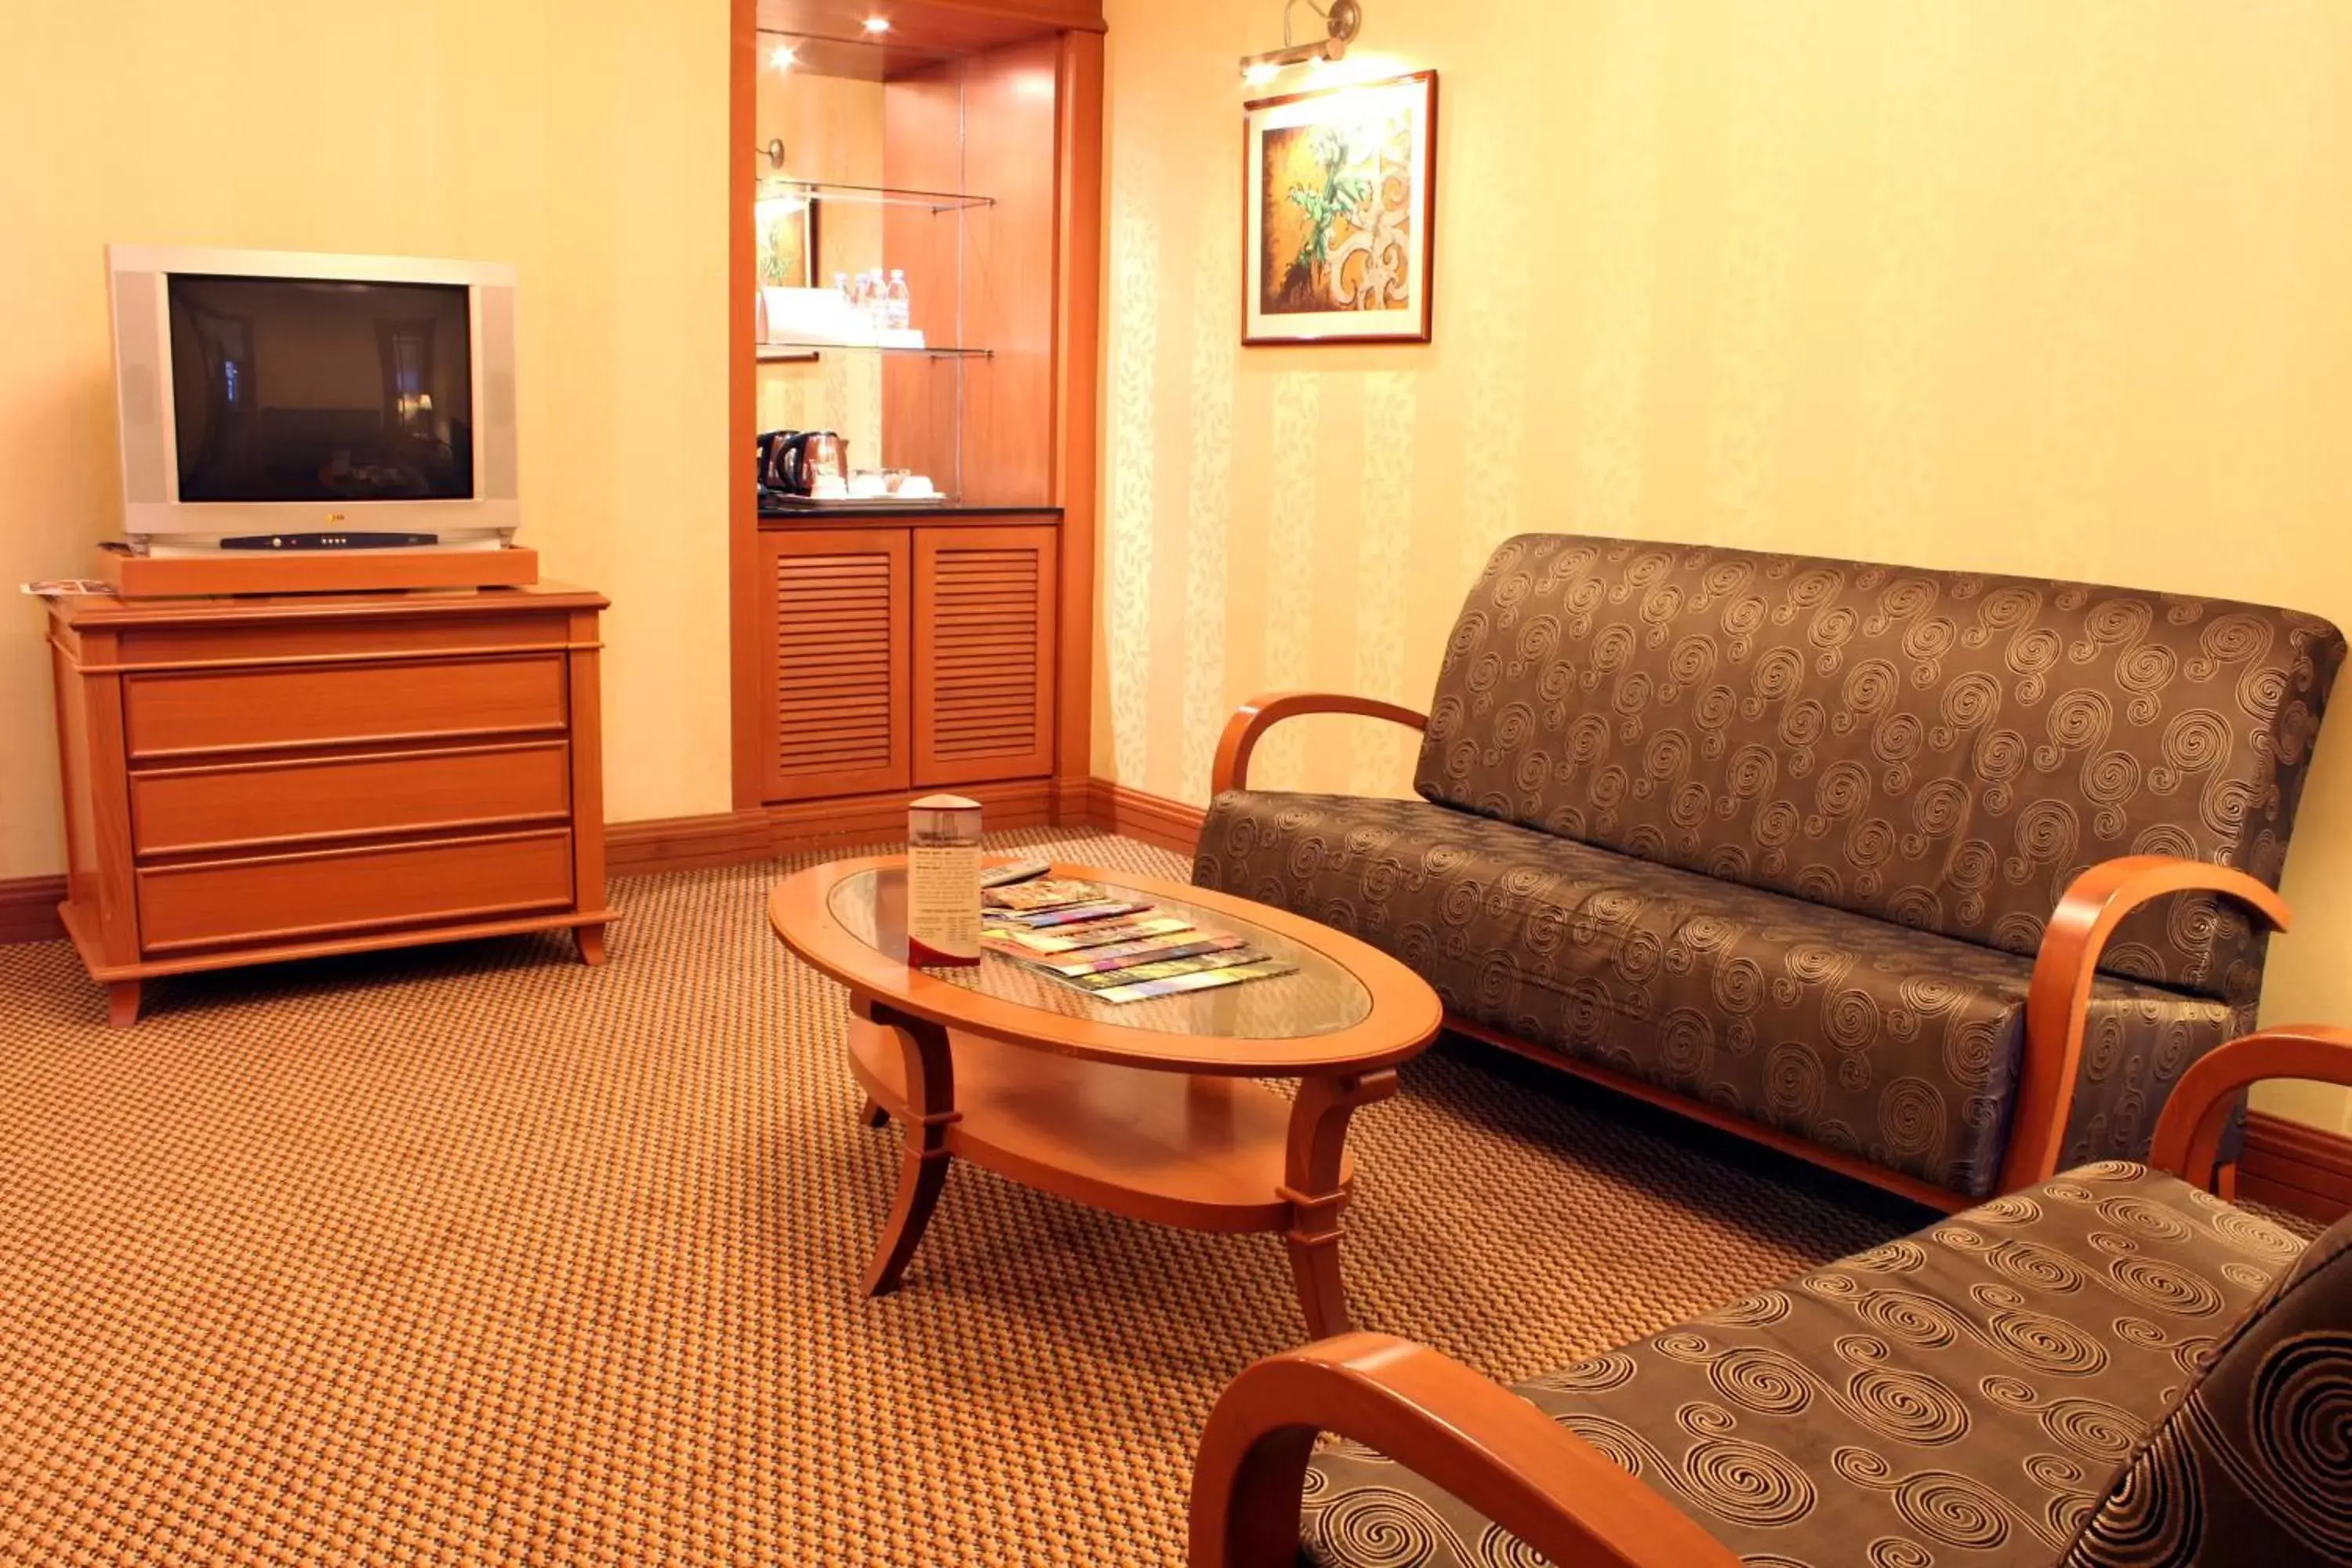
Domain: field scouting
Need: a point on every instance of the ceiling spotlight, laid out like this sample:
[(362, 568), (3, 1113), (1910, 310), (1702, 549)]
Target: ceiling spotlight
[(785, 58), (1342, 20), (877, 23)]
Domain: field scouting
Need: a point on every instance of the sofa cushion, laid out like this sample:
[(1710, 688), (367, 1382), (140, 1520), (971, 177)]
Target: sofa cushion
[(1961, 1398), (1895, 1044), (1946, 749), (2255, 1463)]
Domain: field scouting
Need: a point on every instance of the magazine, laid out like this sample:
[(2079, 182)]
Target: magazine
[(1093, 939), (1147, 968), (1203, 980), (1049, 893), (1030, 942)]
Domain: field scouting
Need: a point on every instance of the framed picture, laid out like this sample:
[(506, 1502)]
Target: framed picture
[(787, 240), (1340, 185)]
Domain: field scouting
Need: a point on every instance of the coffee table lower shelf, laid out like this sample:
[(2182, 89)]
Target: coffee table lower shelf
[(1205, 1151), (1201, 1151)]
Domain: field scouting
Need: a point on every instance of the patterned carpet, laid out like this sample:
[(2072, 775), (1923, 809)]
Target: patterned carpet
[(476, 1255)]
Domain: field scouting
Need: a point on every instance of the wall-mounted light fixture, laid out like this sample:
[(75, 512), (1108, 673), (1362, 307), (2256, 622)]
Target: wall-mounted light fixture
[(1342, 20)]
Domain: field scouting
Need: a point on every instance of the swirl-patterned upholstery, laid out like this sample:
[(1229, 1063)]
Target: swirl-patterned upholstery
[(1812, 816), (1980, 1394), (1943, 750), (1899, 1045), (2255, 1465)]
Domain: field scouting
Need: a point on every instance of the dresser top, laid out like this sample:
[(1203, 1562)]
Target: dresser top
[(106, 610)]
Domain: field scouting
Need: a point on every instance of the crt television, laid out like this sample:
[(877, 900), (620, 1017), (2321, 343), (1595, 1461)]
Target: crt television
[(275, 391)]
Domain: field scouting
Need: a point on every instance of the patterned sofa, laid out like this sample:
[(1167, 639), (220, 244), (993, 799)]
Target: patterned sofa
[(1937, 878), (2112, 1370)]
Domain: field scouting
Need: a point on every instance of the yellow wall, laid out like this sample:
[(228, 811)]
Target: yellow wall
[(584, 141), (2029, 287)]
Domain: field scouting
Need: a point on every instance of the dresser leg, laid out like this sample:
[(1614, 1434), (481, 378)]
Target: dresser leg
[(590, 941), (121, 1003)]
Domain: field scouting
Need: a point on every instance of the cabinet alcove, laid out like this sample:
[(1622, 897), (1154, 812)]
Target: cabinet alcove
[(888, 647)]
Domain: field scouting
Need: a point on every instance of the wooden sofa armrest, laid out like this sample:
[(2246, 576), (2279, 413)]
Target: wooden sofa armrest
[(1424, 1410), (1253, 718), (2188, 1131), (2057, 1008)]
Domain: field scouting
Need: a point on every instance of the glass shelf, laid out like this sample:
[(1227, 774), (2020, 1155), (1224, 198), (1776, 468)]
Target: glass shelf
[(787, 351), (774, 186)]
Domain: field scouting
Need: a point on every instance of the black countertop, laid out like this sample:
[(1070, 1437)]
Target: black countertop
[(831, 512)]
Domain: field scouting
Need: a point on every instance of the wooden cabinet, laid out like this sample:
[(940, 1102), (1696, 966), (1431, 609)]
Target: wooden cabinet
[(965, 151), (906, 658), (984, 641), (834, 636), (263, 778)]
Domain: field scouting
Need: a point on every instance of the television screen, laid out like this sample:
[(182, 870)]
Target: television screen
[(296, 389)]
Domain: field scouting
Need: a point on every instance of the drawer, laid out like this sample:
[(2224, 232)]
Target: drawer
[(242, 803), (258, 709), (292, 897), (376, 637)]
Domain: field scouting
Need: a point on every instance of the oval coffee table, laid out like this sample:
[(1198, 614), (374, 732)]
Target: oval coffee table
[(1145, 1109)]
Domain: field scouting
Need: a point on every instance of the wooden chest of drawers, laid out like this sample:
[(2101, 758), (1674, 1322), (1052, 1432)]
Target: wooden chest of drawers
[(264, 778)]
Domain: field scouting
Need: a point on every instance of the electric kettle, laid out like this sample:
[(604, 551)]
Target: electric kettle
[(804, 462)]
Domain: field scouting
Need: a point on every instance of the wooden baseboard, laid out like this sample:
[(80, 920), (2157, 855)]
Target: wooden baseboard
[(28, 905), (28, 910), (686, 843), (739, 837), (2303, 1169), (1155, 819)]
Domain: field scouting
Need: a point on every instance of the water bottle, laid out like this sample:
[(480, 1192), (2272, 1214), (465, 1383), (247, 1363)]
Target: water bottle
[(902, 307)]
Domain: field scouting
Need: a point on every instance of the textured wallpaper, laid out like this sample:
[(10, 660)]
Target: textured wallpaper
[(584, 143), (2044, 288)]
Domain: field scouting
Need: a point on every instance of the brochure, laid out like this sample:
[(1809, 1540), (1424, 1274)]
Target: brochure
[(1145, 967), (1203, 980)]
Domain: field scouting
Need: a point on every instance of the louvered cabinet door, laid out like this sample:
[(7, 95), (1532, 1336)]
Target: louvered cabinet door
[(835, 609), (984, 654)]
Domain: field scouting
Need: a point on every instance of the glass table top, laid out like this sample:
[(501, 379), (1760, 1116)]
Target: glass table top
[(1321, 998)]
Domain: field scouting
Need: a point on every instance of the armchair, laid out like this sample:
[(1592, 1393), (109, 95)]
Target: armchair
[(2159, 1369)]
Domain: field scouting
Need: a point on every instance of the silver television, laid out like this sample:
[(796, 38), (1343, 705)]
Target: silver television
[(277, 393)]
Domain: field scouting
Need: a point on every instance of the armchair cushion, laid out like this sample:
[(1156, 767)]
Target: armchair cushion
[(1897, 1044), (1963, 1397)]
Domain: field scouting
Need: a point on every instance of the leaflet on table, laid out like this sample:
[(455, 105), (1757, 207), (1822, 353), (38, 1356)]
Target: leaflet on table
[(1053, 894), (1076, 914), (1145, 968), (1201, 980), (1150, 949), (1014, 940)]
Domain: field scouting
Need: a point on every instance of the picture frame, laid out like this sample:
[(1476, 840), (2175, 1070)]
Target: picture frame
[(786, 241), (1339, 188)]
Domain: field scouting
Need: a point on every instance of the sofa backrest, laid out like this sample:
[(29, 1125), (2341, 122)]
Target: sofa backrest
[(1946, 749), (2252, 1463)]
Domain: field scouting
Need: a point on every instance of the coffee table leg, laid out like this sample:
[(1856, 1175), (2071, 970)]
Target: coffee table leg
[(1318, 1133), (923, 1167)]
